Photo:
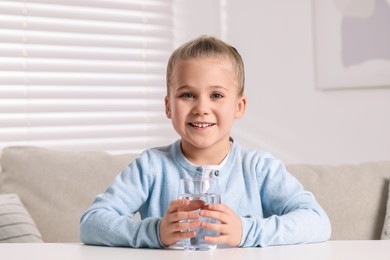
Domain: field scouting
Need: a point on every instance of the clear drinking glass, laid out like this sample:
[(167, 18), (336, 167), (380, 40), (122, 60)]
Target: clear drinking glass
[(205, 189)]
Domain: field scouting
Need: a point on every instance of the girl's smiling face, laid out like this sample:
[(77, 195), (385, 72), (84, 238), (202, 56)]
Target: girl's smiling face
[(203, 103)]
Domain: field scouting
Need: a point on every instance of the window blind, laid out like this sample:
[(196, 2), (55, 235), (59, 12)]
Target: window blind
[(84, 75)]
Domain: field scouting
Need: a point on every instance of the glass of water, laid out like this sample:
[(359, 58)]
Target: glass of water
[(205, 189)]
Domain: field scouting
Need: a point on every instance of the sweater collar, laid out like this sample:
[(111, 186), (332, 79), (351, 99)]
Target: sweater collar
[(199, 170)]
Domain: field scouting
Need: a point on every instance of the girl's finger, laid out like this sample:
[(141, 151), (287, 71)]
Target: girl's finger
[(183, 235), (185, 226), (221, 216), (175, 205), (183, 215), (192, 205), (219, 207), (213, 227)]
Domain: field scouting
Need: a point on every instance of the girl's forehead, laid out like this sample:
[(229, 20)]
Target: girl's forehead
[(216, 64), (203, 74), (203, 71), (222, 60)]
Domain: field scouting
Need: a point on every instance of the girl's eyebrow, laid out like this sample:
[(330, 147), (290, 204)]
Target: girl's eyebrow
[(220, 87), (185, 87)]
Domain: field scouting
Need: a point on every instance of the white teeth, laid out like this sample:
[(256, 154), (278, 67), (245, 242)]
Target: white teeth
[(201, 125)]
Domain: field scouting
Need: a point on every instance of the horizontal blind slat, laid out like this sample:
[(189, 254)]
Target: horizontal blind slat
[(160, 6), (81, 92), (79, 66), (61, 79), (82, 132), (54, 106), (90, 14), (87, 40), (81, 118), (69, 26)]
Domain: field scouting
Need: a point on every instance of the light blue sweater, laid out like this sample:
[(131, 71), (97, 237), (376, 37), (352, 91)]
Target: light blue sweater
[(272, 204)]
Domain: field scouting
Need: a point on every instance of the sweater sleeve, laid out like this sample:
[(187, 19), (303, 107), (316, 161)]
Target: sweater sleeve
[(109, 220), (291, 215)]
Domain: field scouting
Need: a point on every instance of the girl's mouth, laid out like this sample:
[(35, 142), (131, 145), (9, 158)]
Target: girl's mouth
[(201, 125)]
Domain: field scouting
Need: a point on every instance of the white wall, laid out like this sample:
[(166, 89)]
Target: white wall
[(287, 115)]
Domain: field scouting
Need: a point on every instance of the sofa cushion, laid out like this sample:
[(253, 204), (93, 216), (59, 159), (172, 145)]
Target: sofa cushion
[(386, 225), (57, 186), (16, 224), (354, 196)]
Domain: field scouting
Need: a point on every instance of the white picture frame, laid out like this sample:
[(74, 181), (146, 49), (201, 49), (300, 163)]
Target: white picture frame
[(341, 60)]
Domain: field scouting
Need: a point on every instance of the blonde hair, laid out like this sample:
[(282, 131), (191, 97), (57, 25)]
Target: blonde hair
[(207, 46)]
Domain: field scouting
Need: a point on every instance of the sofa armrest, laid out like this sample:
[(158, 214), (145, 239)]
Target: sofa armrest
[(354, 196), (57, 186)]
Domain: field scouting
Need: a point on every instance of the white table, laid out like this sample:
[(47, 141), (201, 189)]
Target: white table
[(335, 250)]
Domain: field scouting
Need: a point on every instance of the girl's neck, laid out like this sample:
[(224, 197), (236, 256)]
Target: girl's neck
[(206, 156)]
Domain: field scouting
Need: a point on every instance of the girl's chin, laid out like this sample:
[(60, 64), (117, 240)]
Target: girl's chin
[(193, 145), (202, 144)]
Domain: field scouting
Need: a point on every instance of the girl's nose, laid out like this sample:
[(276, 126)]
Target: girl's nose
[(201, 107)]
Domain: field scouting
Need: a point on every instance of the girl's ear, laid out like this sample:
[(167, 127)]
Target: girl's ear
[(241, 107), (167, 109)]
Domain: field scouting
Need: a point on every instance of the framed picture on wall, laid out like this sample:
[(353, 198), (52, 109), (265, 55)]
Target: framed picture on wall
[(352, 43)]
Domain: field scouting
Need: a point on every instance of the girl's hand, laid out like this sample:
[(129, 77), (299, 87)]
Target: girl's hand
[(230, 229), (171, 229)]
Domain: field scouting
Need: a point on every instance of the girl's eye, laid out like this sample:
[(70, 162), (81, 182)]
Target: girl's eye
[(216, 96), (186, 95)]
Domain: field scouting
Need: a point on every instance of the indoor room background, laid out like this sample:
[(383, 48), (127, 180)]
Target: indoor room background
[(105, 96)]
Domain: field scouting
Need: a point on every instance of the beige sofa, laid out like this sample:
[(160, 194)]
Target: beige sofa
[(56, 187)]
